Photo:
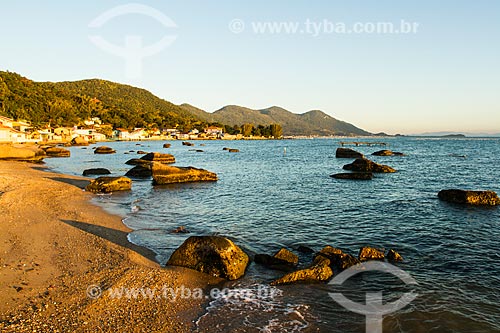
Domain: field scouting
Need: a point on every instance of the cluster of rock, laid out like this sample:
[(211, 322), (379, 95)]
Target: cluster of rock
[(220, 257), (362, 168)]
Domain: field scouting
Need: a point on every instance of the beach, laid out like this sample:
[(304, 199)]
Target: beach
[(58, 253)]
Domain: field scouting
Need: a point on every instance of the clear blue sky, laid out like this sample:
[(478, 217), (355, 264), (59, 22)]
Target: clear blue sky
[(444, 77)]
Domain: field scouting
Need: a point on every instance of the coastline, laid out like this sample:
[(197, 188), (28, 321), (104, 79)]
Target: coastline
[(54, 244)]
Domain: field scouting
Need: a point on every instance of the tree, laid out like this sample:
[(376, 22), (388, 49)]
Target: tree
[(247, 129), (276, 131)]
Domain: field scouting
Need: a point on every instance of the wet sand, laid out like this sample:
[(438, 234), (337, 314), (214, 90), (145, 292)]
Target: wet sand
[(55, 245)]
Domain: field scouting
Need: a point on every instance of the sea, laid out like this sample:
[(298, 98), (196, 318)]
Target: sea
[(279, 193)]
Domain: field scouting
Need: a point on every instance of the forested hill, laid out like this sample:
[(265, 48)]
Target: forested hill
[(68, 103)]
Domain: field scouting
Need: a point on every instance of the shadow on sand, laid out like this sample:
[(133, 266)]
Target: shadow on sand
[(80, 183), (114, 236)]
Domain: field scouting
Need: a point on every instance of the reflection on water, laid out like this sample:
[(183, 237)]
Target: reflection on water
[(265, 200)]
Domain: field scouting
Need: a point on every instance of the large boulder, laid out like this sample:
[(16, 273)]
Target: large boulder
[(79, 141), (104, 150), (486, 198), (338, 259), (354, 175), (165, 174), (213, 255), (319, 271), (96, 171), (386, 152), (158, 157), (287, 256), (370, 253), (365, 165), (9, 152), (347, 153), (57, 152), (109, 184)]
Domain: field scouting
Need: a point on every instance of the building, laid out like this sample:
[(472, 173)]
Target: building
[(214, 131)]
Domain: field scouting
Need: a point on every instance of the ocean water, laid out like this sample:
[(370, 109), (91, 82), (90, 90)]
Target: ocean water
[(266, 199)]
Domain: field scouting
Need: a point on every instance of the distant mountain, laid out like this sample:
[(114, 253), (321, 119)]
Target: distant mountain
[(456, 134), (310, 123)]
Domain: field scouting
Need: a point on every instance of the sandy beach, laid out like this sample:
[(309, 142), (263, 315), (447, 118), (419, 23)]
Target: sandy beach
[(55, 245)]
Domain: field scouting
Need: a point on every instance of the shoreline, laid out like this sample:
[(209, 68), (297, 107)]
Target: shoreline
[(55, 243)]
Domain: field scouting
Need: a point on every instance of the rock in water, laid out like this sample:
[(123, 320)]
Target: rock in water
[(158, 157), (109, 184), (213, 255), (96, 171), (189, 144), (319, 271), (354, 175), (338, 259), (137, 161), (57, 152), (164, 174), (104, 150), (140, 171), (347, 153), (387, 153), (167, 145), (365, 165), (370, 253), (234, 150), (487, 198), (287, 256), (394, 256)]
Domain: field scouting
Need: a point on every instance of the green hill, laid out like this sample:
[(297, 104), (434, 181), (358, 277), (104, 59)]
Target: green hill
[(309, 123), (68, 103)]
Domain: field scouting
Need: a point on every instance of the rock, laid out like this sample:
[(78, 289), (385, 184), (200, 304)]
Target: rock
[(57, 152), (272, 262), (158, 157), (199, 151), (185, 143), (287, 256), (319, 271), (338, 259), (180, 230), (109, 184), (79, 141), (9, 152), (394, 256), (213, 255), (354, 175), (225, 148), (137, 161), (234, 150), (365, 165), (305, 249), (96, 171), (486, 198), (386, 152), (167, 145), (141, 152), (164, 174), (370, 253), (347, 153), (140, 171), (104, 150)]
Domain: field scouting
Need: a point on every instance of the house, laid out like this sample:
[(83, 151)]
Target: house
[(214, 131), (8, 134), (121, 134), (138, 134)]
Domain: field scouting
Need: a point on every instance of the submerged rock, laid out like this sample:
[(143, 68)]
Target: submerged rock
[(347, 153), (394, 256), (140, 171), (338, 259), (319, 271), (96, 171), (185, 143), (109, 184), (386, 152), (365, 165), (487, 198), (272, 262), (305, 249), (213, 255), (141, 152), (104, 150), (57, 152), (370, 253), (158, 157), (164, 174), (180, 230), (354, 176), (137, 161)]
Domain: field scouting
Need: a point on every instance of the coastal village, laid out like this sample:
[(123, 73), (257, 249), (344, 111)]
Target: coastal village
[(94, 130)]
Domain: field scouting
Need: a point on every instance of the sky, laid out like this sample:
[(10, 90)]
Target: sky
[(442, 76)]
